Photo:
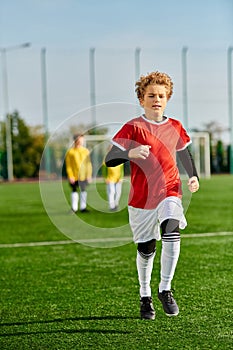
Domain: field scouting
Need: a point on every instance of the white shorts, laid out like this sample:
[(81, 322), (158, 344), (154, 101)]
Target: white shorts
[(145, 224)]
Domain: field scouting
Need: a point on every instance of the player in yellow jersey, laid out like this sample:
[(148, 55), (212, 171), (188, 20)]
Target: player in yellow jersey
[(79, 172), (113, 178)]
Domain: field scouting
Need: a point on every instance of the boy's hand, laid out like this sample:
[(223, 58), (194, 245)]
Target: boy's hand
[(193, 184), (141, 152), (71, 180)]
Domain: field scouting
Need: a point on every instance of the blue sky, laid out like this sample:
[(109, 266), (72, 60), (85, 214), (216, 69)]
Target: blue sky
[(68, 28), (125, 23)]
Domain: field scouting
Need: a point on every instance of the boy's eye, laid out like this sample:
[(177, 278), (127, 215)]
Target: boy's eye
[(152, 96)]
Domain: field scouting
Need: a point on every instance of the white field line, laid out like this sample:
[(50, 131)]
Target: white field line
[(103, 240)]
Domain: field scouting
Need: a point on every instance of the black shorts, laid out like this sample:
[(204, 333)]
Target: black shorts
[(79, 184)]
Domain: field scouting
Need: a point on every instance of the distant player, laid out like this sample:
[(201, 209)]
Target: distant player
[(113, 178), (79, 172), (151, 142)]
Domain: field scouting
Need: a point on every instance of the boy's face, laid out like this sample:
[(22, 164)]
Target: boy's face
[(79, 141), (154, 101)]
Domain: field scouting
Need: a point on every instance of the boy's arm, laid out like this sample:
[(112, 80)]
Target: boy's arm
[(69, 168), (188, 162), (189, 165), (116, 156)]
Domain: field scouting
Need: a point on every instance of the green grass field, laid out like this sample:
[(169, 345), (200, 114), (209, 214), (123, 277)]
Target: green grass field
[(76, 296)]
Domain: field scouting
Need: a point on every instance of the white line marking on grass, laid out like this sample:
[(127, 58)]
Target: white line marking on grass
[(207, 234), (99, 240), (34, 244), (47, 243)]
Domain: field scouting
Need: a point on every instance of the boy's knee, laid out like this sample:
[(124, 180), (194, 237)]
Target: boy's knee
[(170, 226), (170, 230), (146, 249)]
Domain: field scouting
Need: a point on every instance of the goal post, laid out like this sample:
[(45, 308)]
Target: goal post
[(200, 149)]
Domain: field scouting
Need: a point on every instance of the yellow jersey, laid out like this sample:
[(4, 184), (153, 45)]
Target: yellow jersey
[(113, 174), (78, 163)]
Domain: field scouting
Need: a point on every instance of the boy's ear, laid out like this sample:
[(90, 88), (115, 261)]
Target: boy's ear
[(141, 102)]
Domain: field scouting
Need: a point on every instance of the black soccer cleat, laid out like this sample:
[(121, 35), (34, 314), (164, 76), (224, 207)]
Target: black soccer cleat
[(85, 210), (147, 309), (169, 304)]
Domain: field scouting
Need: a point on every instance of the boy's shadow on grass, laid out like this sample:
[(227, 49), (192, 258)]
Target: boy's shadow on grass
[(67, 331)]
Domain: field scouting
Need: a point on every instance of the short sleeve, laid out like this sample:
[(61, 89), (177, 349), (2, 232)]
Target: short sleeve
[(184, 139), (123, 138)]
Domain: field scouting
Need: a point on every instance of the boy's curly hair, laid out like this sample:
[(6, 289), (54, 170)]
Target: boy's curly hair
[(152, 79)]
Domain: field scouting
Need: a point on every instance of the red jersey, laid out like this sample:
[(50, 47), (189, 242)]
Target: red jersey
[(157, 177)]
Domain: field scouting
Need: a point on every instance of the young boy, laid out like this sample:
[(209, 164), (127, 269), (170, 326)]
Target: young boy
[(150, 142), (113, 177), (79, 172)]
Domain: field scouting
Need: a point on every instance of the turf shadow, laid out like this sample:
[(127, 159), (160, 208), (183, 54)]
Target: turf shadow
[(84, 318), (66, 331)]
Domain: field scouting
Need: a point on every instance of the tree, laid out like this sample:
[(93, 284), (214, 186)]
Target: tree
[(27, 147), (218, 151)]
